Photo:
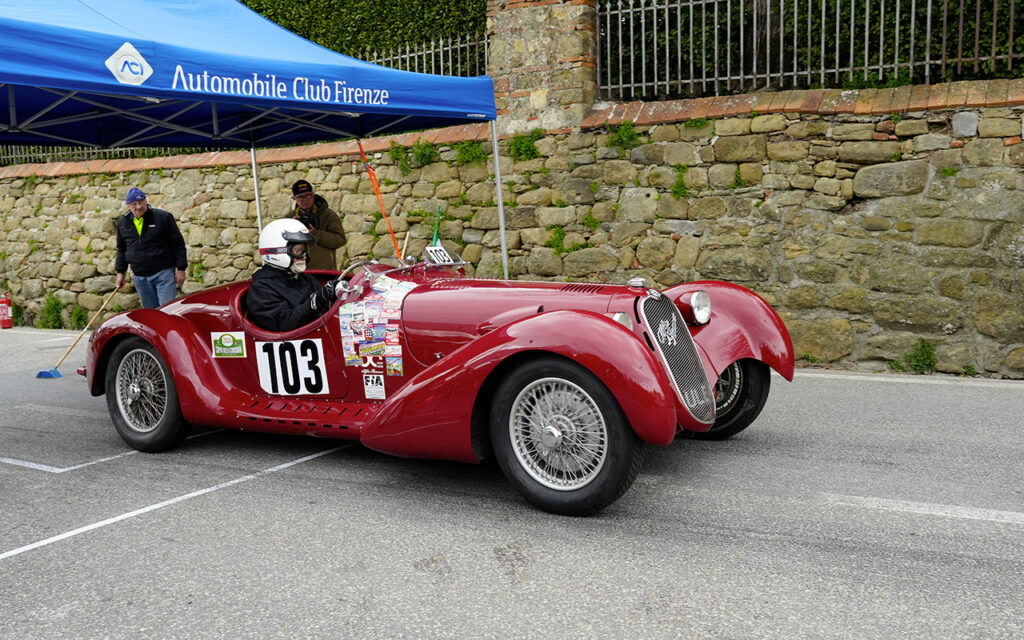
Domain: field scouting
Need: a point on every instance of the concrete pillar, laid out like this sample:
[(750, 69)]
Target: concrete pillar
[(543, 59)]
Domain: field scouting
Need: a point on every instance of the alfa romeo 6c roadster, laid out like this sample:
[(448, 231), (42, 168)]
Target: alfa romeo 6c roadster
[(564, 384)]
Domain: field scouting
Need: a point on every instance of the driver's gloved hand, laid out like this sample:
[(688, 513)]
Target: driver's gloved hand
[(324, 297), (338, 285)]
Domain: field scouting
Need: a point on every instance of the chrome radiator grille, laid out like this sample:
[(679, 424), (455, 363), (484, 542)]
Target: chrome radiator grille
[(668, 332)]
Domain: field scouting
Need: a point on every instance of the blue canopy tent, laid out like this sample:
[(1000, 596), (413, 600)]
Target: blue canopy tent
[(109, 73)]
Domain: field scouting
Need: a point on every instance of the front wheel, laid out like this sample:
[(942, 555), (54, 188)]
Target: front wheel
[(142, 398), (561, 438), (740, 394)]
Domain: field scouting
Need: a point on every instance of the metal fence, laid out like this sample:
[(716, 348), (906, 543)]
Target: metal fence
[(459, 56), (658, 49), (23, 154)]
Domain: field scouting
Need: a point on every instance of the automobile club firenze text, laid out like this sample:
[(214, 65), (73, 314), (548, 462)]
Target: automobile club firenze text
[(269, 86)]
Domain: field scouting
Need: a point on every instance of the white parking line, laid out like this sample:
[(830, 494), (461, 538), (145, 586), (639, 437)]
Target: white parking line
[(48, 469), (928, 509), (907, 378), (166, 503)]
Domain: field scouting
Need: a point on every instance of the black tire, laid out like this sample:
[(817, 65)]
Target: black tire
[(142, 398), (740, 394), (561, 438)]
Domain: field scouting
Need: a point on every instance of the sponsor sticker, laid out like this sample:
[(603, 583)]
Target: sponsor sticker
[(373, 386), (394, 365), (228, 344)]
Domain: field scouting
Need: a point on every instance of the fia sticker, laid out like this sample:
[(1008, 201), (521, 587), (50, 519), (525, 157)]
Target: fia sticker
[(228, 344), (373, 386)]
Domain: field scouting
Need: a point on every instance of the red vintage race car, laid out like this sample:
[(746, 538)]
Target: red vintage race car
[(564, 384)]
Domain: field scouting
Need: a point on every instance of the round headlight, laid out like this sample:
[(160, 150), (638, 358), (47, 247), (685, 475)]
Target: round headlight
[(696, 307)]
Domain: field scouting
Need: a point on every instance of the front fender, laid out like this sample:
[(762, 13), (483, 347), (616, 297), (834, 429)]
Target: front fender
[(742, 325), (203, 392), (431, 415)]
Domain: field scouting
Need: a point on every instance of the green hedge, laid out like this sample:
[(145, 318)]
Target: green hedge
[(353, 26)]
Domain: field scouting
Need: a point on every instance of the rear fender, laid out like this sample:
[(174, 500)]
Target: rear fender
[(431, 416), (203, 392), (742, 325)]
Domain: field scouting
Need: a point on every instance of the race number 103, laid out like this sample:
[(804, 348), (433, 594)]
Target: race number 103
[(292, 367)]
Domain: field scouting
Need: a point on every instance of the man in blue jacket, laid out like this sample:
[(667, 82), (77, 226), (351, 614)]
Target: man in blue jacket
[(149, 241)]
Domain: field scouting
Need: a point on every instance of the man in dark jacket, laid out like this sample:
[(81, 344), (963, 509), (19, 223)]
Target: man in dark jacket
[(282, 297), (149, 241), (325, 226)]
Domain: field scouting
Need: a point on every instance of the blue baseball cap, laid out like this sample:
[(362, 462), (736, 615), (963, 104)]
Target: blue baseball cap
[(134, 195)]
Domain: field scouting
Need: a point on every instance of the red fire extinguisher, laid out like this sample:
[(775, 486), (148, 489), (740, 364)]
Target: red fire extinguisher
[(6, 319)]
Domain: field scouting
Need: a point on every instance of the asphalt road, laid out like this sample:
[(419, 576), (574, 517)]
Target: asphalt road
[(858, 506)]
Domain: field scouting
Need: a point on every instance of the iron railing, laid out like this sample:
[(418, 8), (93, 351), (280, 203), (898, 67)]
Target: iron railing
[(658, 49), (24, 154), (464, 56)]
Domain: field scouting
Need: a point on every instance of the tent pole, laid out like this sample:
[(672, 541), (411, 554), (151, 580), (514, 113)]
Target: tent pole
[(501, 203), (256, 189)]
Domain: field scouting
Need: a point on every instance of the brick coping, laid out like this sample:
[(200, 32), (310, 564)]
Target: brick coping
[(937, 97)]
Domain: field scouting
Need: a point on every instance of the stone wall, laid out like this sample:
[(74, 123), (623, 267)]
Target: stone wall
[(866, 228)]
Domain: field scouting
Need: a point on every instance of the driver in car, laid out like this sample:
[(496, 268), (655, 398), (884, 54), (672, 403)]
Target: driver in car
[(282, 297)]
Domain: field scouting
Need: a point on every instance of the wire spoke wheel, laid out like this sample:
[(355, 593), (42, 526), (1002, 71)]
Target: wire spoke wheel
[(558, 434), (142, 398), (141, 390), (740, 393), (727, 389), (561, 438)]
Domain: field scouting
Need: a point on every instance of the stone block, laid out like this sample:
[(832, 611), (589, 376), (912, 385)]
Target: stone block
[(768, 123), (855, 131), (590, 261), (683, 153), (983, 152), (544, 261), (788, 151), (740, 149), (638, 204), (722, 176), (735, 264), (869, 152), (965, 124), (807, 128), (999, 127), (654, 252), (733, 127), (825, 339), (891, 179), (908, 128), (931, 142)]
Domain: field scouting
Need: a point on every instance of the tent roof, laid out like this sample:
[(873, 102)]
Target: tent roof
[(212, 73)]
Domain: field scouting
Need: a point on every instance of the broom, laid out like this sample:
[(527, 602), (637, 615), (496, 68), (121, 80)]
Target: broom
[(53, 373)]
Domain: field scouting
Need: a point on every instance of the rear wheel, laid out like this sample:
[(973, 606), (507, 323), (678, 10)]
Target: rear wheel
[(142, 398), (561, 438), (740, 394)]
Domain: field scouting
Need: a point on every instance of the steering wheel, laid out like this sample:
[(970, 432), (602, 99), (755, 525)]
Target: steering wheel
[(344, 286)]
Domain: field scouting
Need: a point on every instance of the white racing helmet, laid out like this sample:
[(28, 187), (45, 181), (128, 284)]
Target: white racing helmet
[(277, 239)]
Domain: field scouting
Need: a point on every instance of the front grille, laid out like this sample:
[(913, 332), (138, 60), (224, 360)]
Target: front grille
[(667, 329)]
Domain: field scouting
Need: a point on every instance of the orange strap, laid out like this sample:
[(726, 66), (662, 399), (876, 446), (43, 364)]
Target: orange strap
[(380, 200)]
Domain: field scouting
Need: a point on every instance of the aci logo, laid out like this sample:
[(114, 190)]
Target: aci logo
[(128, 65)]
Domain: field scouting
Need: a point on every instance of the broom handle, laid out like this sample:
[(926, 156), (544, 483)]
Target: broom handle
[(95, 315)]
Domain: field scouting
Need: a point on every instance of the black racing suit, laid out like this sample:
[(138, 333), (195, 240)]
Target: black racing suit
[(280, 300)]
